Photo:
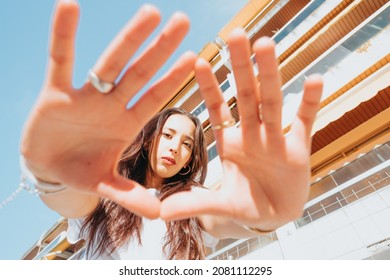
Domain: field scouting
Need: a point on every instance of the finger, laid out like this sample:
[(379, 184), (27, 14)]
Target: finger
[(61, 49), (218, 109), (130, 195), (246, 83), (191, 204), (126, 43), (270, 85), (308, 108), (154, 57), (162, 91)]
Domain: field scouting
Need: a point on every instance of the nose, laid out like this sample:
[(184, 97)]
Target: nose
[(174, 147)]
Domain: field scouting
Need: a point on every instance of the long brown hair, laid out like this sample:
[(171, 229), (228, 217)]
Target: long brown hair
[(110, 225)]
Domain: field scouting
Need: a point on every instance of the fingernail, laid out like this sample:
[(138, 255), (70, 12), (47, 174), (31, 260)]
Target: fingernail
[(265, 40), (314, 76)]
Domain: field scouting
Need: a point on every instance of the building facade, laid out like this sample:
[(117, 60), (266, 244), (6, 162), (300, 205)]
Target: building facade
[(347, 214)]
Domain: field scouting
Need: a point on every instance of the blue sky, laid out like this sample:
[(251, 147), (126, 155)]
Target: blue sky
[(24, 29)]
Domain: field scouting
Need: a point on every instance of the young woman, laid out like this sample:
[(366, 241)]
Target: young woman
[(168, 156), (75, 144)]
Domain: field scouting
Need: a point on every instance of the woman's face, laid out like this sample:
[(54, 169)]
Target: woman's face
[(172, 149)]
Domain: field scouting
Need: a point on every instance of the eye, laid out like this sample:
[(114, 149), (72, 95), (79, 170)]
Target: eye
[(167, 135), (188, 145)]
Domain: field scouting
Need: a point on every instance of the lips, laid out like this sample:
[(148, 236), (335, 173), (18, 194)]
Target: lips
[(169, 160)]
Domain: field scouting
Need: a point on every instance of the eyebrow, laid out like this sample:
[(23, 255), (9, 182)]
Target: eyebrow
[(174, 131)]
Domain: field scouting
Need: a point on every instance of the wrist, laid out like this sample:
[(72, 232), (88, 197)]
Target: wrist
[(39, 185), (258, 231)]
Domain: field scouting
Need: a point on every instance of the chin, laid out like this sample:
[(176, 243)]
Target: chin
[(165, 175)]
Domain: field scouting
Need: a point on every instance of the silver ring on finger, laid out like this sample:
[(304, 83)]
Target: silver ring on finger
[(260, 109), (223, 125), (101, 86)]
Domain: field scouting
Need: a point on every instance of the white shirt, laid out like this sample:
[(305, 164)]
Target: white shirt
[(152, 237)]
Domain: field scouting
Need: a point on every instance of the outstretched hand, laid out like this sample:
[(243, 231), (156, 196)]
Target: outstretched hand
[(266, 173), (76, 136)]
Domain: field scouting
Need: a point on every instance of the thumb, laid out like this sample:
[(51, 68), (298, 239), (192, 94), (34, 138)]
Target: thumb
[(192, 203), (130, 195)]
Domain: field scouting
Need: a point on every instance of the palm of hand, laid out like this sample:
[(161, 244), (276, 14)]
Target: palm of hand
[(263, 180), (264, 183), (75, 133)]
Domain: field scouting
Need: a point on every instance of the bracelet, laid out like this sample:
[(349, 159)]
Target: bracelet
[(35, 185), (258, 231)]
